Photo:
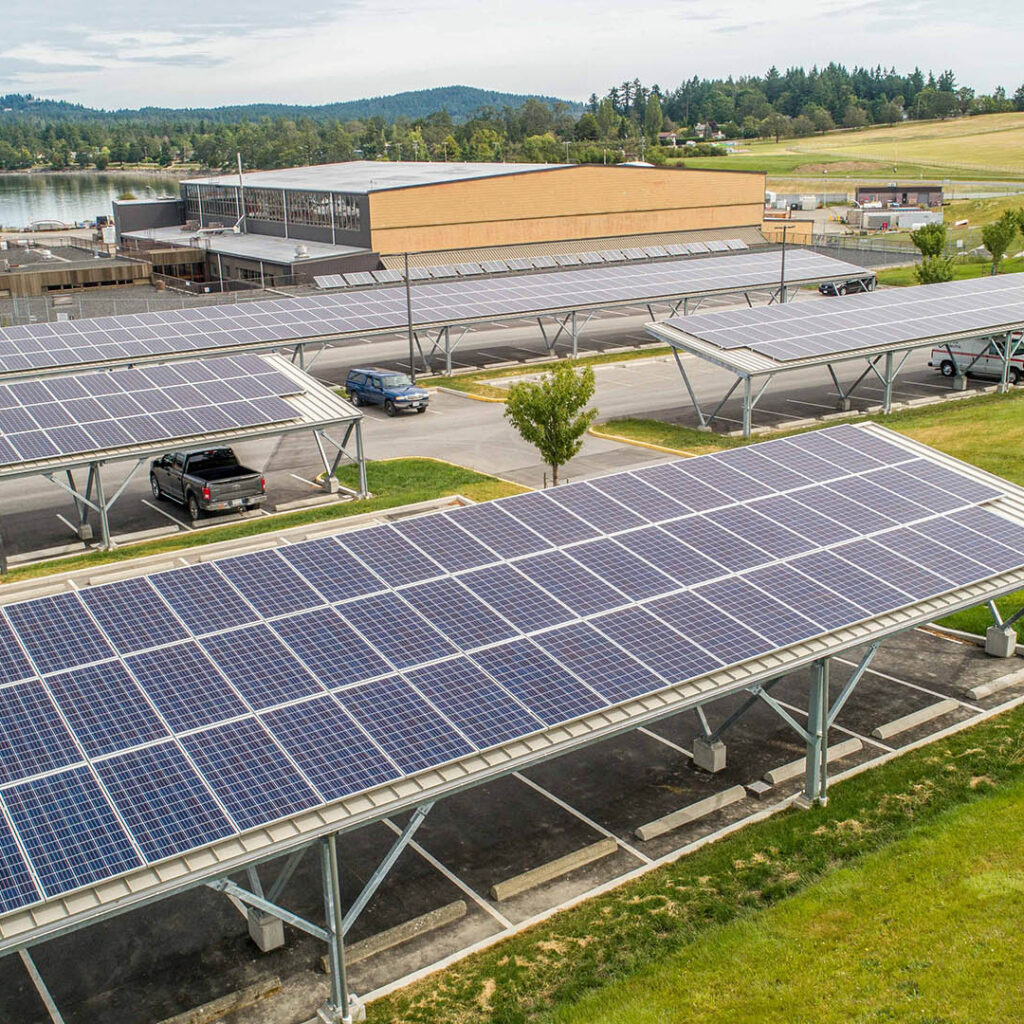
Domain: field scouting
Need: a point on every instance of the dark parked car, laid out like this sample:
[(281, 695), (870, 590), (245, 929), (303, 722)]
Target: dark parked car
[(395, 391), (209, 480), (842, 287)]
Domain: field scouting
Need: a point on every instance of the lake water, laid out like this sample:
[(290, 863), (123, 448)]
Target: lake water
[(72, 197)]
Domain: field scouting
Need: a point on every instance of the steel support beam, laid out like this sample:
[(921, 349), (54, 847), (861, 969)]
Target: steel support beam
[(816, 774), (235, 892), (756, 694), (336, 1009), (375, 880), (851, 684)]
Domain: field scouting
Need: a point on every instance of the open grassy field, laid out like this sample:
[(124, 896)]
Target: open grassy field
[(392, 482), (862, 944), (961, 271), (990, 145), (928, 809)]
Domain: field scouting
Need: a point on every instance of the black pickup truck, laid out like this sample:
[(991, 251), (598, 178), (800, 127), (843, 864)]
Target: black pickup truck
[(208, 480)]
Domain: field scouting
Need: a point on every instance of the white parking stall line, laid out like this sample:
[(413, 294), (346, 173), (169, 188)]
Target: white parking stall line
[(914, 686), (582, 817), (167, 515), (811, 405)]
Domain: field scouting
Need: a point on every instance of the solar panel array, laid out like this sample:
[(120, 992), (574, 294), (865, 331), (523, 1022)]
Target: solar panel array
[(647, 252), (67, 416), (865, 320), (151, 716), (356, 313)]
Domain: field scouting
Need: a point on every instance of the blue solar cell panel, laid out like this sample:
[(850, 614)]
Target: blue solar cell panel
[(333, 571), (808, 597), (163, 801), (70, 832), (394, 629), (447, 544), (686, 489), (16, 886), (530, 675), (519, 600), (867, 443), (724, 637), (203, 598), (403, 725), (799, 459), (715, 471), (595, 507), (260, 667), (57, 632), (685, 565), (473, 702), (105, 708), (132, 615), (186, 689), (765, 533), (390, 555), (758, 612), (460, 616), (844, 457), (863, 491), (999, 538), (251, 777), (794, 515), (852, 583), (642, 498), (546, 517), (268, 583), (773, 474), (717, 543), (947, 556), (622, 569), (598, 662), (334, 754), (13, 663), (574, 586), (881, 561), (330, 648), (951, 481), (33, 739), (505, 535), (859, 518)]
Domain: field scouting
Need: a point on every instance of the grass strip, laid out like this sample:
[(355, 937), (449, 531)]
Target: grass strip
[(392, 482), (869, 942), (902, 276), (535, 976)]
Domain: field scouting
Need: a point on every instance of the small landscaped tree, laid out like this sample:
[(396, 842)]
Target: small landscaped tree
[(930, 239), (933, 270), (552, 413), (998, 235)]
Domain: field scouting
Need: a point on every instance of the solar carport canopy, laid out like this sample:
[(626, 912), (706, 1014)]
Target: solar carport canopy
[(168, 728), (34, 349), (855, 325)]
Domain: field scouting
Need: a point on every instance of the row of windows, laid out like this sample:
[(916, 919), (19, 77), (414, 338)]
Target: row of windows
[(310, 209)]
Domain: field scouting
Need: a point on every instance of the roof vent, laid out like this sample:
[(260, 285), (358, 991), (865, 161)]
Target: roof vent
[(301, 252)]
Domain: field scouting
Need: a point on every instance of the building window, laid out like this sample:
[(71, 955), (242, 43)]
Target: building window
[(346, 212), (192, 202), (310, 208), (218, 203), (265, 204)]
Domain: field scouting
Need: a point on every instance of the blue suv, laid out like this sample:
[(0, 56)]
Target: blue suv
[(373, 386)]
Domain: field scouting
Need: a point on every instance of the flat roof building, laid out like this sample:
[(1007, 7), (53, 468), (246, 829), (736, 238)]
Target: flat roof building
[(355, 213)]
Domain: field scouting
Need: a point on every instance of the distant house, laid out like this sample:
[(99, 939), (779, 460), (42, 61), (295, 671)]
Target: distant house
[(668, 139), (924, 196)]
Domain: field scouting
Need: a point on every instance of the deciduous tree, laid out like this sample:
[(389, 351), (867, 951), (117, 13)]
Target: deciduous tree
[(998, 235)]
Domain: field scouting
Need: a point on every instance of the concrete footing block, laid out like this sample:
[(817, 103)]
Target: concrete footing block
[(266, 931), (329, 1015), (710, 756), (553, 869), (915, 718), (844, 404), (794, 769), (85, 532), (331, 485), (959, 383), (1000, 642), (693, 812)]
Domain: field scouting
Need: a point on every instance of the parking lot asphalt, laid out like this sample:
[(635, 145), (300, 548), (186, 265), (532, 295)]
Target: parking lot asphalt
[(149, 964), (37, 514)]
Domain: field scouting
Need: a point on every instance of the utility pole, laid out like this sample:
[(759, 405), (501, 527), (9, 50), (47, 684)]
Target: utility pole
[(782, 275), (408, 314)]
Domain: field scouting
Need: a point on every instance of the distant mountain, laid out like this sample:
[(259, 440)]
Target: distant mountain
[(460, 101)]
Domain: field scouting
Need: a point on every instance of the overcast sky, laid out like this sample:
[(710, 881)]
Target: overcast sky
[(197, 53)]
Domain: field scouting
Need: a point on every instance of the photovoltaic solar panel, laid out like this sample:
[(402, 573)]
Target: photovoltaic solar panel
[(473, 702), (757, 612), (268, 583), (58, 633), (13, 663), (746, 522), (391, 627), (132, 615), (870, 592), (576, 588), (70, 832), (203, 598), (877, 560), (33, 739), (794, 515), (549, 518), (823, 606), (331, 570), (394, 559), (684, 564), (640, 497), (622, 569), (16, 885), (709, 627), (683, 487), (506, 536), (446, 543), (460, 616), (717, 543), (595, 507)]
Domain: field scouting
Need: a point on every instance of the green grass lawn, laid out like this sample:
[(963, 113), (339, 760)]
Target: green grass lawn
[(393, 482), (969, 787), (961, 272), (928, 929)]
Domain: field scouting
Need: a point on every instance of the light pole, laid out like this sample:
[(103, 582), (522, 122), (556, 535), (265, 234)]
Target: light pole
[(408, 315), (782, 276)]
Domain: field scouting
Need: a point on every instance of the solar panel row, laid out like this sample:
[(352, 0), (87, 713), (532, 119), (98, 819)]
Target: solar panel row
[(93, 412), (151, 716), (471, 269), (806, 330), (268, 322)]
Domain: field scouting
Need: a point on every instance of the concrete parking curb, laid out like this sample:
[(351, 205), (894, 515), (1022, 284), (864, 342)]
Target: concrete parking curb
[(553, 869), (469, 394), (638, 444), (836, 752), (1002, 683), (693, 812), (231, 1003), (915, 718)]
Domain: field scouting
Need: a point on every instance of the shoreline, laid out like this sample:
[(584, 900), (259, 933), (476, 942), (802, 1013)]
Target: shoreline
[(178, 173)]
